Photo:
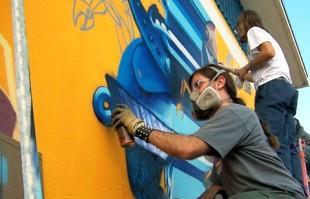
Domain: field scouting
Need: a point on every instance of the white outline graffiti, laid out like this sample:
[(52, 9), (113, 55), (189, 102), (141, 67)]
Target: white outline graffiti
[(84, 12)]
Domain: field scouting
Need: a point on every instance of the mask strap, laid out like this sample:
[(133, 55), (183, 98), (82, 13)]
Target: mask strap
[(218, 73)]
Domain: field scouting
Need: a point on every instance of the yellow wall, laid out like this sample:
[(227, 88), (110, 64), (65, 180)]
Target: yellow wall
[(81, 158), (7, 36)]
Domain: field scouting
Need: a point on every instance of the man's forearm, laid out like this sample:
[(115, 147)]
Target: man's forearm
[(181, 146)]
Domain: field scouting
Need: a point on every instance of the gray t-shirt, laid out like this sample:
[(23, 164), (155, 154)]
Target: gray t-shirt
[(247, 162)]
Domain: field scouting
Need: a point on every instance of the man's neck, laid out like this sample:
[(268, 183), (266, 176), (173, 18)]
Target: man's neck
[(226, 102)]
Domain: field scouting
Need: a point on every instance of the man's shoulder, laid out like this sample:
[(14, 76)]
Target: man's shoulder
[(240, 111), (239, 108)]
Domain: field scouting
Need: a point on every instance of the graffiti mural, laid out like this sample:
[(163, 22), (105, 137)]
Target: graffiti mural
[(150, 80), (84, 13)]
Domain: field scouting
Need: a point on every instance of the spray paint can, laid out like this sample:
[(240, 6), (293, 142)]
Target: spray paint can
[(125, 139)]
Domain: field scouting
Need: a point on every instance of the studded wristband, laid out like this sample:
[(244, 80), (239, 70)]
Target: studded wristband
[(143, 133)]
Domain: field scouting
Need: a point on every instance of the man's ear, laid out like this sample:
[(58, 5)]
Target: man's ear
[(220, 83)]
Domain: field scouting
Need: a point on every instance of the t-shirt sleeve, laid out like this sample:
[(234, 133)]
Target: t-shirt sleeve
[(222, 132), (256, 36)]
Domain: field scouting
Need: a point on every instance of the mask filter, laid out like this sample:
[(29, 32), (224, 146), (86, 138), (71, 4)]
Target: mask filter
[(207, 99)]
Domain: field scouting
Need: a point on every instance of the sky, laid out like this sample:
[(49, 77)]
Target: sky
[(299, 16)]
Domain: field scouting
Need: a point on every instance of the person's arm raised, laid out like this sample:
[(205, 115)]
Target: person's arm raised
[(266, 52)]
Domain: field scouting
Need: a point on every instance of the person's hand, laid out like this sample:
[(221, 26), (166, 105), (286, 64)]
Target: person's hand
[(227, 69), (241, 73), (122, 115)]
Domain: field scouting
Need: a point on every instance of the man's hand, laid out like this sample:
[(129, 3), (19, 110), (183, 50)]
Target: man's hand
[(122, 115)]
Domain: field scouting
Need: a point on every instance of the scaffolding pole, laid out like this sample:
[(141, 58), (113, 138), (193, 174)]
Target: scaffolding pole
[(30, 166)]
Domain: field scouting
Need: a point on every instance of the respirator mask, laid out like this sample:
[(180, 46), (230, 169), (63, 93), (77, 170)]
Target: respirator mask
[(206, 102)]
